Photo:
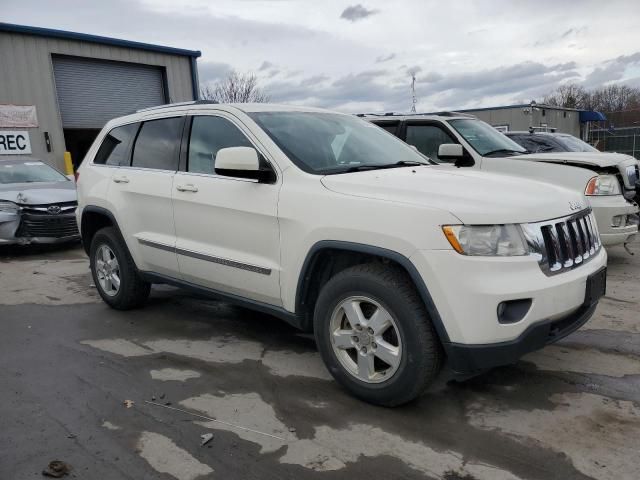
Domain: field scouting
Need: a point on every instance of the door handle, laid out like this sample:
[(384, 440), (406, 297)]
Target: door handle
[(189, 187), (120, 179)]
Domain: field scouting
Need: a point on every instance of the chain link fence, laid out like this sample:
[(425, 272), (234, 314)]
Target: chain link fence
[(621, 140)]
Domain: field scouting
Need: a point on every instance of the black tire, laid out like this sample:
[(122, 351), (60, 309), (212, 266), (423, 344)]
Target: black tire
[(133, 291), (422, 354)]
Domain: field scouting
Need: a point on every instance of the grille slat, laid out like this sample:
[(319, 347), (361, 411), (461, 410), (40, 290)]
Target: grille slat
[(51, 226), (564, 244)]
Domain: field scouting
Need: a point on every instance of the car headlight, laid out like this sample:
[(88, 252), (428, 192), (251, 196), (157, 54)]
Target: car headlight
[(603, 185), (8, 207), (487, 240)]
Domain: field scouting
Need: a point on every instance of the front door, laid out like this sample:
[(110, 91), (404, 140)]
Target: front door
[(226, 228)]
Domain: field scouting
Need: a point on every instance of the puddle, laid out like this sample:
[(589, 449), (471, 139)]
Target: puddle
[(164, 456)]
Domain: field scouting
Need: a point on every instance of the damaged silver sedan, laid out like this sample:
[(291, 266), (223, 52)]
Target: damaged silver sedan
[(37, 204)]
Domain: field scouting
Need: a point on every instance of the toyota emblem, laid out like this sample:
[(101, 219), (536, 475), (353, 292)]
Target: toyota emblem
[(54, 209)]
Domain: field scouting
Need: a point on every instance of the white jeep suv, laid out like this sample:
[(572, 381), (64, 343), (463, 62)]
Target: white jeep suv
[(339, 228)]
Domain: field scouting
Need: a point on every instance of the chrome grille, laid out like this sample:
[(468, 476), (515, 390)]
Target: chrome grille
[(564, 243)]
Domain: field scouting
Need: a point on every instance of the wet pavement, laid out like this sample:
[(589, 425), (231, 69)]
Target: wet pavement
[(69, 363)]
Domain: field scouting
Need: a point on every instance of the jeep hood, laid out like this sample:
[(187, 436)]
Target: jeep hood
[(588, 159), (38, 193), (473, 197)]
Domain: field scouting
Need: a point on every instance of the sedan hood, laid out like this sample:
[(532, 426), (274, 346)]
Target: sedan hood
[(473, 197), (38, 193), (594, 159)]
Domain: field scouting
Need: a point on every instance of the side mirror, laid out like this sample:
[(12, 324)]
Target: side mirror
[(241, 162), (450, 151), (455, 152)]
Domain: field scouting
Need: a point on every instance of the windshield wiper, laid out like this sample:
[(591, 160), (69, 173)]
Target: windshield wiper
[(504, 150), (364, 168)]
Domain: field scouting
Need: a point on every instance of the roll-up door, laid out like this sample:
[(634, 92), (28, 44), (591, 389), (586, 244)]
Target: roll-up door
[(92, 92)]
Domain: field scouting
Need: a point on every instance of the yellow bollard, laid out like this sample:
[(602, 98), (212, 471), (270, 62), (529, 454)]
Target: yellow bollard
[(68, 164)]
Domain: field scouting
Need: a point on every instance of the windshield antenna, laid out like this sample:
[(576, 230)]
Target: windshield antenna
[(413, 93)]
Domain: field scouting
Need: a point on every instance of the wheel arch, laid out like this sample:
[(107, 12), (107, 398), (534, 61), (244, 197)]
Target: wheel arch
[(93, 219), (314, 275)]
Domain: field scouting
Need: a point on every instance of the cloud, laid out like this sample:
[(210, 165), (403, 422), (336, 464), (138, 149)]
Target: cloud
[(385, 58), (265, 66), (211, 72), (612, 70), (357, 12)]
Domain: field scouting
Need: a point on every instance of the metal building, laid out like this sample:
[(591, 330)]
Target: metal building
[(58, 88), (538, 116)]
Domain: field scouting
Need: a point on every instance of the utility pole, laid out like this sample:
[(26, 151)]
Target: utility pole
[(413, 92)]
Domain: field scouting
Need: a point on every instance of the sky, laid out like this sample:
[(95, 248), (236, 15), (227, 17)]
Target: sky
[(360, 56)]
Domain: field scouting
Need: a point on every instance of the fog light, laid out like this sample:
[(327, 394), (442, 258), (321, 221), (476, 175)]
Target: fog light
[(618, 220), (513, 311)]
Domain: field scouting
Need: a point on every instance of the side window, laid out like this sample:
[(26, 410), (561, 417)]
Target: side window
[(115, 146), (208, 135), (427, 139), (158, 144), (390, 127)]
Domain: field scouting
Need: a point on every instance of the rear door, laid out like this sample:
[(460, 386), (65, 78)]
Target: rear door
[(141, 195), (228, 236)]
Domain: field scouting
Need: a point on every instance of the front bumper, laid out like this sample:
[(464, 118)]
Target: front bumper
[(467, 291), (19, 229), (470, 359), (605, 208)]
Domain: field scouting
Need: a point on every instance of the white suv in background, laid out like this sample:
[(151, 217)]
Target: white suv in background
[(331, 224), (609, 180)]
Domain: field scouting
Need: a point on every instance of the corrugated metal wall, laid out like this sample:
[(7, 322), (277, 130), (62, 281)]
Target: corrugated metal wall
[(566, 121), (26, 78)]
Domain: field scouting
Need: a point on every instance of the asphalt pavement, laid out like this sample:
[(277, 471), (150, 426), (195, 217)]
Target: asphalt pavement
[(128, 395)]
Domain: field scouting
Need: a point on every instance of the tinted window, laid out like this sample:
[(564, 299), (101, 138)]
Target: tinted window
[(115, 146), (158, 144), (427, 139), (390, 127), (537, 144), (208, 135)]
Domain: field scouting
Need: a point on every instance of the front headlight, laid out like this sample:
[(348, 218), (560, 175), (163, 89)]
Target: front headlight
[(8, 207), (603, 185), (487, 240)]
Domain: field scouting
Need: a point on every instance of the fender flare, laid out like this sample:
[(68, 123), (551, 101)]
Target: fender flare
[(101, 211), (400, 259)]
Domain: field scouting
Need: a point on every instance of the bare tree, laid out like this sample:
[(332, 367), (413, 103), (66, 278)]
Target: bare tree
[(610, 98), (236, 88), (569, 96)]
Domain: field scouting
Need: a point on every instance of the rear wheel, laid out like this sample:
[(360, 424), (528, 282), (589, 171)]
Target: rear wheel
[(114, 272), (375, 336)]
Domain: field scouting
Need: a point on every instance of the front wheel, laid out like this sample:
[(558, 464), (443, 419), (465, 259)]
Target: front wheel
[(375, 336)]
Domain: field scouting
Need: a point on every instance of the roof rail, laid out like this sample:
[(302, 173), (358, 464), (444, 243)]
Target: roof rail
[(179, 104)]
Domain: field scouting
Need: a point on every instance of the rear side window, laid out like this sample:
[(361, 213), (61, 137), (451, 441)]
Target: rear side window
[(158, 144), (390, 127), (427, 139), (208, 135), (115, 146)]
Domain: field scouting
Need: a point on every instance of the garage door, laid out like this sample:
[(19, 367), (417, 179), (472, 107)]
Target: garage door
[(92, 92)]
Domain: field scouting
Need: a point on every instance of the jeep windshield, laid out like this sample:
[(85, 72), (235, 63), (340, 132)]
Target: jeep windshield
[(330, 143), (485, 139)]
